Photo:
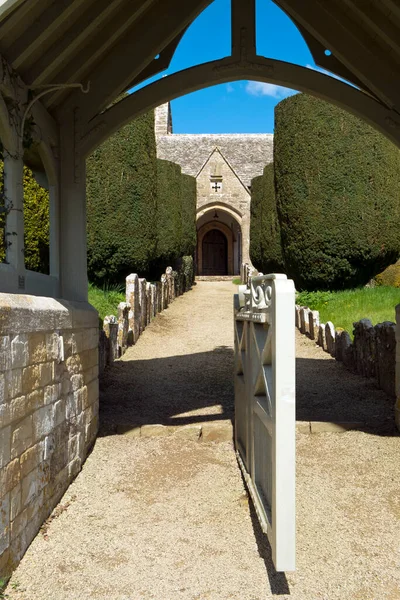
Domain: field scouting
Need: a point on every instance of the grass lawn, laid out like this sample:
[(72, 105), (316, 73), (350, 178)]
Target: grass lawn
[(106, 300), (345, 307)]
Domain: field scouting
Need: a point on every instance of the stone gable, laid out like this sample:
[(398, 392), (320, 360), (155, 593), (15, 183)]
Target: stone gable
[(247, 154)]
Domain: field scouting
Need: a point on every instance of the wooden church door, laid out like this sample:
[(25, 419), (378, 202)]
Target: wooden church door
[(215, 253)]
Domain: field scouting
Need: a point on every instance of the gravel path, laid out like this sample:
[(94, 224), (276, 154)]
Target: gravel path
[(167, 518)]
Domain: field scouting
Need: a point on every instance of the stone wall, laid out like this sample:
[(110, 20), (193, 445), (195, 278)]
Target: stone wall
[(372, 353), (144, 301), (48, 410)]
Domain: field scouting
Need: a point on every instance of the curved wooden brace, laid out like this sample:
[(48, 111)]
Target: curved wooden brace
[(225, 70)]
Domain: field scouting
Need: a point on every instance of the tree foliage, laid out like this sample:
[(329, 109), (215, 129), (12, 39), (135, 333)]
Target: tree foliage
[(337, 191), (265, 235), (36, 224)]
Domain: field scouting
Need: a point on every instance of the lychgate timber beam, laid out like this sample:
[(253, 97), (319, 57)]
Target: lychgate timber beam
[(225, 70), (331, 28), (26, 47), (81, 64), (78, 34), (148, 37)]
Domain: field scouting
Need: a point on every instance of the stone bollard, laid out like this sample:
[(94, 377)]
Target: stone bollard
[(132, 298), (143, 304), (385, 340), (321, 336), (313, 324), (330, 336), (397, 405), (164, 292), (365, 348), (304, 326), (123, 327), (110, 327), (158, 296), (342, 342), (297, 316), (148, 303), (153, 295)]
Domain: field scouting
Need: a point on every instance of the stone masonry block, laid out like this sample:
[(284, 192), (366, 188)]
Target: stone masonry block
[(52, 393), (36, 376), (19, 524), (5, 417), (5, 446), (13, 383), (3, 386), (43, 421), (5, 353), (31, 458), (37, 348), (52, 341), (22, 437), (19, 351), (60, 411), (24, 405), (10, 476), (15, 501)]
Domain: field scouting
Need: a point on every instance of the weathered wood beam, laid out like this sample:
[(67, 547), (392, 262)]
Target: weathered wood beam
[(377, 22), (36, 36), (328, 27), (77, 36), (17, 23), (149, 36), (78, 68), (243, 28), (7, 6)]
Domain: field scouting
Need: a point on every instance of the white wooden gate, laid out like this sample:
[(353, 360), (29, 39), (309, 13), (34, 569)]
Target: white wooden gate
[(265, 406)]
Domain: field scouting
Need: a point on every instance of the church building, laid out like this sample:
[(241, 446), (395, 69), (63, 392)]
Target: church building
[(223, 165)]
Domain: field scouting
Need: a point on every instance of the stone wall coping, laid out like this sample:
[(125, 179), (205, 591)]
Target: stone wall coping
[(40, 313)]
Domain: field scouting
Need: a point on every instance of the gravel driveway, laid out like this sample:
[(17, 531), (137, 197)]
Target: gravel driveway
[(167, 518)]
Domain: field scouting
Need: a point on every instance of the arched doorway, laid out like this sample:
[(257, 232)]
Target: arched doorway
[(215, 253)]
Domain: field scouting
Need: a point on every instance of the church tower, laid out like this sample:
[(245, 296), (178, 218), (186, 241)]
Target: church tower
[(163, 119)]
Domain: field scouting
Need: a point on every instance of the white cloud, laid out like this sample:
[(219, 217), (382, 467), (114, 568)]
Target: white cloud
[(229, 88), (259, 88)]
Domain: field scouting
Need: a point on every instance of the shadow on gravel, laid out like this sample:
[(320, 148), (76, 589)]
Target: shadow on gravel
[(327, 391), (159, 390), (196, 388)]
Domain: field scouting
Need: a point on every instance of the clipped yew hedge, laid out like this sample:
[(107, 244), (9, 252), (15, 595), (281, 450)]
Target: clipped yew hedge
[(140, 210), (338, 195), (169, 211), (265, 234), (189, 233), (121, 203)]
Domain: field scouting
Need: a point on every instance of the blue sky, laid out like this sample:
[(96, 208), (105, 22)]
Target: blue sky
[(237, 107)]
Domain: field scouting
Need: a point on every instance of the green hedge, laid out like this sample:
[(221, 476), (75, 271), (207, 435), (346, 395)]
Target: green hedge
[(189, 234), (169, 212), (121, 203), (337, 190), (265, 235)]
